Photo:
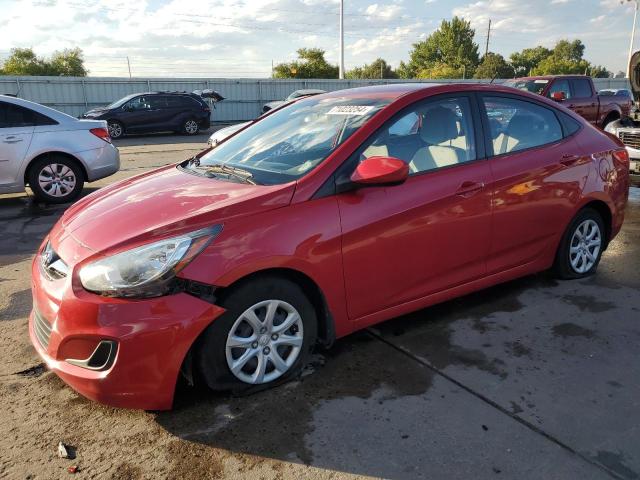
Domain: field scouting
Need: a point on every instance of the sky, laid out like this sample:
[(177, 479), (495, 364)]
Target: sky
[(241, 38)]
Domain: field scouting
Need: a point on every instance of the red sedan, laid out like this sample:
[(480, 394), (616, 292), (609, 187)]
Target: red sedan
[(334, 213)]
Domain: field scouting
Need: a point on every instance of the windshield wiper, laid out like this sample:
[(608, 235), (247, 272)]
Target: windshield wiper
[(224, 169)]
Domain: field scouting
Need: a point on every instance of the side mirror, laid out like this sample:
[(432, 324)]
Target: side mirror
[(380, 171), (559, 96)]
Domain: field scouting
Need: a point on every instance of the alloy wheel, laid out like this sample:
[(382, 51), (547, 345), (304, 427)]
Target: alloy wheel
[(57, 180), (585, 246), (264, 342), (115, 130), (191, 127)]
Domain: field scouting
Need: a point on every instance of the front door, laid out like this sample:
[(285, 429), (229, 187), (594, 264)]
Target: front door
[(404, 242)]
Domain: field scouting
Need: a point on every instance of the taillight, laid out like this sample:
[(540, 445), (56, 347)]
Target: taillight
[(207, 109), (101, 133), (621, 155)]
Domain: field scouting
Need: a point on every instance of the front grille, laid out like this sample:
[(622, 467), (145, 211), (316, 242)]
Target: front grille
[(41, 328), (630, 139), (52, 265)]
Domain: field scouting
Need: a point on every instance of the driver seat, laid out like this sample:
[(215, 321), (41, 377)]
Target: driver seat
[(440, 125)]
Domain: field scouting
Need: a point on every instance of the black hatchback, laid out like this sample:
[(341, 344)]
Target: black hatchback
[(181, 112)]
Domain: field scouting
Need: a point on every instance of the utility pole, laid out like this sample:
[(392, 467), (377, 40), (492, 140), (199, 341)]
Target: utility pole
[(633, 36), (486, 49), (129, 66), (341, 73)]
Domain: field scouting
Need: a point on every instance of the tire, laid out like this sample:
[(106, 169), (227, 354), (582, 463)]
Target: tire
[(190, 127), (116, 129), (575, 259), (55, 179), (215, 355)]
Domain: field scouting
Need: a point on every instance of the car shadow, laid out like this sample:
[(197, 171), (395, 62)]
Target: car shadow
[(166, 138), (359, 373)]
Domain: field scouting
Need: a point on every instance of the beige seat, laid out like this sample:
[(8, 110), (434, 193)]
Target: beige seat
[(376, 151), (519, 131), (440, 125)]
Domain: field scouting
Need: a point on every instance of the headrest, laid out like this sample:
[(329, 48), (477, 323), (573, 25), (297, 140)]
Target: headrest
[(439, 125), (520, 126)]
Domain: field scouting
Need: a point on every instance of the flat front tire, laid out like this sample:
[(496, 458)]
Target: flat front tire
[(263, 339), (581, 246)]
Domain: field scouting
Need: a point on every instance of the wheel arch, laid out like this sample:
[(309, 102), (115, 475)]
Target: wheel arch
[(326, 325), (605, 212), (611, 116), (57, 153)]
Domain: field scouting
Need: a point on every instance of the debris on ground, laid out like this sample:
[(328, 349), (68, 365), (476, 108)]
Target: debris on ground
[(66, 451), (316, 361), (73, 469), (34, 371)]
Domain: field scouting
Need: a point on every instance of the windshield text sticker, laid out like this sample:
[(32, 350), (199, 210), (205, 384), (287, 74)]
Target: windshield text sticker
[(350, 110)]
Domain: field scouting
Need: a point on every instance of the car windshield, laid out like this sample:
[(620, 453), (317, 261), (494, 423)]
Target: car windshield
[(533, 86), (290, 142), (119, 103)]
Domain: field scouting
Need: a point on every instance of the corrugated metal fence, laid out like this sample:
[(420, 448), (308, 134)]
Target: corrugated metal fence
[(243, 97)]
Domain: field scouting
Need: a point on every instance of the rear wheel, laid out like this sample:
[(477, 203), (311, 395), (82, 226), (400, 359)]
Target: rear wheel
[(263, 339), (581, 247), (55, 179), (191, 127)]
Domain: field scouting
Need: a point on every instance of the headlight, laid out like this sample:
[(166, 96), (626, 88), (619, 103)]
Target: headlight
[(145, 271)]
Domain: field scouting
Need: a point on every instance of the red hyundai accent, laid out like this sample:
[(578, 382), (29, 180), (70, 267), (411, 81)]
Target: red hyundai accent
[(326, 216)]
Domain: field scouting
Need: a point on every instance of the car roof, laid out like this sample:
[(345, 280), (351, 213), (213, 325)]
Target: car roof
[(551, 77), (56, 115)]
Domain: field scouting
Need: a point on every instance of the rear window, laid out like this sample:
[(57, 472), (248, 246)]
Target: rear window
[(581, 88)]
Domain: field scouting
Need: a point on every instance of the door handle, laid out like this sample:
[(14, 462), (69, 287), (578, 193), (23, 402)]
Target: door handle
[(468, 188), (12, 139), (569, 160)]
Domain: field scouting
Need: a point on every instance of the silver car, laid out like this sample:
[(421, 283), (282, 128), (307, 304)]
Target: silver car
[(51, 151)]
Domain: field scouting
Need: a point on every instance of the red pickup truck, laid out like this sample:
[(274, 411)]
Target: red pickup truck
[(579, 94)]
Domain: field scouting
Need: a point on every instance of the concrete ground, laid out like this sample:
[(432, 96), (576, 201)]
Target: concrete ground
[(531, 379)]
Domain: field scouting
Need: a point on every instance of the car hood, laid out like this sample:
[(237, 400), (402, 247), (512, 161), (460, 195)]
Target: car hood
[(157, 204), (95, 112)]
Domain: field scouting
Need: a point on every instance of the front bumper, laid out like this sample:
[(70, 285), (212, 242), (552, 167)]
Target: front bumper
[(153, 337)]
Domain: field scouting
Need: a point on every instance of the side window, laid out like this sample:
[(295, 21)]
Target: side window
[(174, 102), (156, 102), (431, 135), (581, 88), (138, 103), (560, 85), (517, 125), (12, 116)]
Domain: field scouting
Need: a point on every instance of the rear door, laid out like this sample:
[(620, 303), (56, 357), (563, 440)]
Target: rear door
[(538, 171), (583, 99), (405, 242), (16, 131)]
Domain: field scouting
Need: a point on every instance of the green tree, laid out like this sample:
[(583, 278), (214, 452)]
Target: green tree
[(310, 64), (566, 58), (493, 65), (451, 45), (24, 61), (440, 70), (525, 61), (69, 63), (379, 68), (598, 71)]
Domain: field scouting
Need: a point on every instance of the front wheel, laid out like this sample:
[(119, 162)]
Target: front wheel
[(263, 339), (116, 129), (581, 247)]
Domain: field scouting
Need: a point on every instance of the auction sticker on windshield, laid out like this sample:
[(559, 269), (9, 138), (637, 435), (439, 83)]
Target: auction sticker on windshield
[(350, 110)]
